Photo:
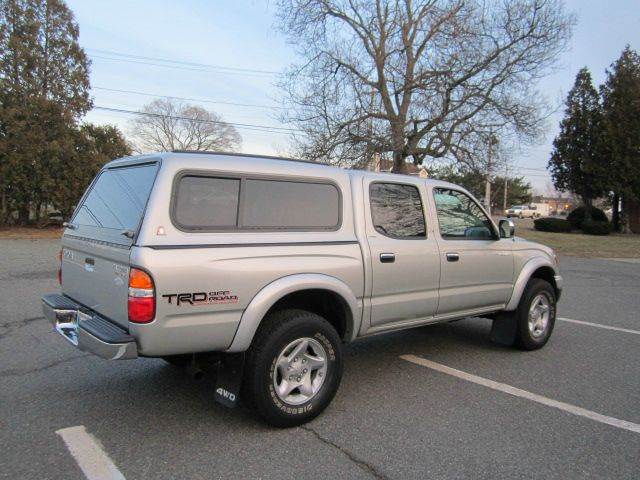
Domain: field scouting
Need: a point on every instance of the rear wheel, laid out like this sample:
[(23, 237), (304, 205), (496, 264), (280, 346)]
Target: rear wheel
[(293, 368), (536, 315)]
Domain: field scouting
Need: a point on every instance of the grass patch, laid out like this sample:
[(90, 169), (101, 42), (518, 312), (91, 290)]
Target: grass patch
[(30, 233), (581, 245)]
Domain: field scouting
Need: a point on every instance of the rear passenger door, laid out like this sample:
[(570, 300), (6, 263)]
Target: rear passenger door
[(405, 260)]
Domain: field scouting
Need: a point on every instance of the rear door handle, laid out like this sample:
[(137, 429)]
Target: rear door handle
[(387, 257), (453, 257)]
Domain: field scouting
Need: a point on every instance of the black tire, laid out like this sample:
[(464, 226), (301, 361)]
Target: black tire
[(525, 339), (274, 334)]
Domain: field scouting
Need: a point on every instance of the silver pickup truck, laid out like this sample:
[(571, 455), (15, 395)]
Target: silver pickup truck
[(266, 266)]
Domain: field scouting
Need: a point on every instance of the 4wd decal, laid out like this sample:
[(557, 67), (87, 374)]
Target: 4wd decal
[(201, 298)]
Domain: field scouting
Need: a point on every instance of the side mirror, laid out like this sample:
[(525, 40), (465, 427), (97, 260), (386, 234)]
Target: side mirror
[(507, 228)]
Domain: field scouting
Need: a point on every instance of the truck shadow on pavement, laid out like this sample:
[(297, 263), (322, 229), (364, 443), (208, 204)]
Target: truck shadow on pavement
[(153, 395), (147, 410)]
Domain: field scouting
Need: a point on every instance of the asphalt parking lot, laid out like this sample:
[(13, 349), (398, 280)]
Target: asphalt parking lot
[(392, 418)]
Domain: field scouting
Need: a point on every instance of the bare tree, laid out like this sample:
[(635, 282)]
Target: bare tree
[(417, 78), (167, 124)]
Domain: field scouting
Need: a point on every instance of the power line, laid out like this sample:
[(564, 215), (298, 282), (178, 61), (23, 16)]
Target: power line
[(203, 100), (247, 126), (535, 169), (536, 175), (180, 65), (245, 132), (181, 62), (177, 67)]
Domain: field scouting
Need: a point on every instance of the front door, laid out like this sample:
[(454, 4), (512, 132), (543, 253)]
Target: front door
[(405, 258), (477, 265)]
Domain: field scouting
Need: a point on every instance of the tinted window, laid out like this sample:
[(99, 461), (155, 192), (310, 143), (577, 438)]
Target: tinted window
[(117, 198), (278, 204), (207, 202), (397, 210), (460, 216)]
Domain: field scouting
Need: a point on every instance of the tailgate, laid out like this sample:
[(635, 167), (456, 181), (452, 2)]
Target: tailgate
[(97, 276), (97, 243)]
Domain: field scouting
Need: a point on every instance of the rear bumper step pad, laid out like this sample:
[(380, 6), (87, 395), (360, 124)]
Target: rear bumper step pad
[(87, 330)]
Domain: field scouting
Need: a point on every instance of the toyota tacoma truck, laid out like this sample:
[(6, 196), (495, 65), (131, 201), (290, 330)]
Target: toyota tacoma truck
[(266, 267)]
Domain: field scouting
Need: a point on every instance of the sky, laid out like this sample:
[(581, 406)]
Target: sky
[(225, 55)]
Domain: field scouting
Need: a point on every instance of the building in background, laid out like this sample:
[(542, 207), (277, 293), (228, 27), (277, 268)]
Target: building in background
[(561, 204)]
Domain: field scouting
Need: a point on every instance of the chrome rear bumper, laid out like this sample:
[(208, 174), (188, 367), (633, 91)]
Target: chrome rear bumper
[(87, 330)]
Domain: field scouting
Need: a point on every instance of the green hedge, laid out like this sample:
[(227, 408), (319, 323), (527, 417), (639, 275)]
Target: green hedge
[(552, 225), (576, 216), (596, 228)]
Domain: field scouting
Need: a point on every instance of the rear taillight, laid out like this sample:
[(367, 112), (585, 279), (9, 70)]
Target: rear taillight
[(60, 267), (142, 297)]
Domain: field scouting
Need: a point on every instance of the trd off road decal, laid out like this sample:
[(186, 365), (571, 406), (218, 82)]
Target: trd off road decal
[(201, 298)]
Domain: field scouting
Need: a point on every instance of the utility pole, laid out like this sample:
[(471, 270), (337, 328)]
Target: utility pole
[(372, 161), (506, 184), (487, 187)]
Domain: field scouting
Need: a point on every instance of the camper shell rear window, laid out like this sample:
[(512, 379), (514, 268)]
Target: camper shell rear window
[(116, 199), (113, 206)]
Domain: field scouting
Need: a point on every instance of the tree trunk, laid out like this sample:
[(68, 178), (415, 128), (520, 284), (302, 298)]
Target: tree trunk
[(3, 209), (588, 205), (23, 215), (624, 216), (487, 185), (632, 215), (615, 212), (399, 162)]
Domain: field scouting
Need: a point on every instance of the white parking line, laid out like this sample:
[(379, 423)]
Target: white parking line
[(517, 392), (89, 455), (599, 325)]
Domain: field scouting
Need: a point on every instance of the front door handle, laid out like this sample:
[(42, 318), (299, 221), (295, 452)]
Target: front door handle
[(453, 257), (387, 257)]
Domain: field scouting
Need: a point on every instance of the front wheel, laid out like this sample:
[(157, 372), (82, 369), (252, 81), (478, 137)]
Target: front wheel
[(536, 315), (294, 367)]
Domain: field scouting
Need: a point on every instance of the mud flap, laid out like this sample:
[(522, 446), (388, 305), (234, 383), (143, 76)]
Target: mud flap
[(229, 379), (503, 329)]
